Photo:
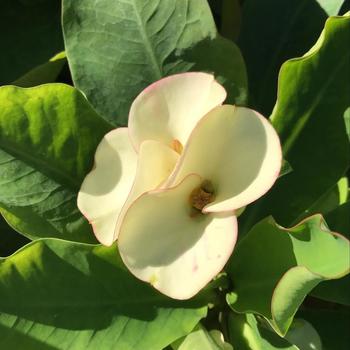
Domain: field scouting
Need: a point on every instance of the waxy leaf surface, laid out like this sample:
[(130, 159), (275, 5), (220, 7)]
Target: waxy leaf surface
[(273, 31), (116, 48), (60, 295), (246, 333), (313, 94), (48, 135), (274, 268), (337, 291)]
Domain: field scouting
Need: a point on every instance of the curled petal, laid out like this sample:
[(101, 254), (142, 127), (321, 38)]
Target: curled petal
[(163, 241), (168, 110), (238, 151), (105, 189), (155, 163)]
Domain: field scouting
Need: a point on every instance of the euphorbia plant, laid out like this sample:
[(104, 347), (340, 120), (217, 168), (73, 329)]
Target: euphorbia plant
[(140, 160)]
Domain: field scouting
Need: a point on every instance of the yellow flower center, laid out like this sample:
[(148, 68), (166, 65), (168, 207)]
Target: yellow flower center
[(176, 145)]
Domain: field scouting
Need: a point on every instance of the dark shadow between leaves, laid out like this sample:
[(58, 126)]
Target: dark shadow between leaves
[(271, 33), (10, 240)]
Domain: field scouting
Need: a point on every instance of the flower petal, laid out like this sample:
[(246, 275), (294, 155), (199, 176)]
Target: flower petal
[(169, 109), (162, 242), (155, 163), (236, 149), (105, 189)]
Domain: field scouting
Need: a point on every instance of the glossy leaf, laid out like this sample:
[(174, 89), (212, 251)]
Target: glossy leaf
[(48, 136), (331, 200), (313, 94), (60, 295), (116, 48), (201, 339), (30, 34), (273, 31), (304, 336), (274, 268), (347, 121), (337, 291), (331, 7), (246, 333)]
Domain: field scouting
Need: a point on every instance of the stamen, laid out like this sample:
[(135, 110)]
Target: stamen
[(202, 195), (176, 145)]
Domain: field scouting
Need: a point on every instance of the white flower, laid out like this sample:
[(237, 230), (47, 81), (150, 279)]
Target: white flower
[(169, 185)]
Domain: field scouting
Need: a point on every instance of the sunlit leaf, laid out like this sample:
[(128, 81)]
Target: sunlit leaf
[(313, 94), (60, 295), (337, 291), (246, 333), (201, 339), (273, 31), (48, 136), (274, 268)]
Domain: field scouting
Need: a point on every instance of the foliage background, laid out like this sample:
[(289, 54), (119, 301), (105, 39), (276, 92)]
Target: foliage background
[(246, 44)]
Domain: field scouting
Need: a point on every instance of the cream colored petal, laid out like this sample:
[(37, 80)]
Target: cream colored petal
[(155, 163), (105, 189), (236, 149), (164, 243), (170, 108)]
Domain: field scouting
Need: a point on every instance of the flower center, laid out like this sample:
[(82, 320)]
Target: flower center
[(176, 145), (202, 195)]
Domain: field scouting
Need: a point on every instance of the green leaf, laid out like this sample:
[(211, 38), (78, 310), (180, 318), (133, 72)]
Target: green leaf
[(273, 31), (30, 34), (48, 136), (347, 121), (274, 268), (337, 291), (77, 296), (313, 94), (224, 59), (303, 335), (201, 339), (117, 48), (331, 7), (246, 333), (44, 73), (332, 325), (334, 197)]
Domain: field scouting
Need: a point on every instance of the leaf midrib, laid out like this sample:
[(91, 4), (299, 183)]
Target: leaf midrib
[(147, 44), (38, 164)]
